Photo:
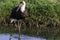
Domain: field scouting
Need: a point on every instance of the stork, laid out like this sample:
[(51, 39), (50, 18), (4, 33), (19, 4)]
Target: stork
[(19, 12)]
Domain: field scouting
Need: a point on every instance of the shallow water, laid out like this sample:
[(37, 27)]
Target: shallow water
[(16, 36)]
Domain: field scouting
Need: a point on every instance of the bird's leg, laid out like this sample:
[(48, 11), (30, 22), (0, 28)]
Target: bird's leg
[(10, 37), (19, 26)]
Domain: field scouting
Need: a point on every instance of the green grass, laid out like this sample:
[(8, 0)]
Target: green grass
[(44, 17)]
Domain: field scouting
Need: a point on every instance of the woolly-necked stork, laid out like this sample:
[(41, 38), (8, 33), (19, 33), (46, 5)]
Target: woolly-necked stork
[(19, 12)]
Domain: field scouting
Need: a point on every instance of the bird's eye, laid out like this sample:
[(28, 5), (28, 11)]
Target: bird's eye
[(20, 2)]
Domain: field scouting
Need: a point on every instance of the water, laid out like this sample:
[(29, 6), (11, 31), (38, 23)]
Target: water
[(16, 36)]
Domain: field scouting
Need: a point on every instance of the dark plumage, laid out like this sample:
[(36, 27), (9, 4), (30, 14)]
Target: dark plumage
[(18, 15), (19, 12)]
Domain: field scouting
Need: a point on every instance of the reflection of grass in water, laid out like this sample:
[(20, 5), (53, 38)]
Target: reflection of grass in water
[(7, 29), (50, 30)]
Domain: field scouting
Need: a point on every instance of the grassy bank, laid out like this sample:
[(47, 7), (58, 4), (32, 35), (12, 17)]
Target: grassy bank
[(44, 17)]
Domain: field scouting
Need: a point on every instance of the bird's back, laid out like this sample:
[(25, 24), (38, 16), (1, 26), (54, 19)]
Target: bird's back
[(18, 15)]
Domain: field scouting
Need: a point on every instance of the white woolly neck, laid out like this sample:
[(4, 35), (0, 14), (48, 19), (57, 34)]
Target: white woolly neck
[(23, 7)]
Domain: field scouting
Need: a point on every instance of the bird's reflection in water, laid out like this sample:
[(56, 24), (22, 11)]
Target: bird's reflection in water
[(15, 37)]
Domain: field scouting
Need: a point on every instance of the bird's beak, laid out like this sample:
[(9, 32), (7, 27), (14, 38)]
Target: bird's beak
[(20, 5)]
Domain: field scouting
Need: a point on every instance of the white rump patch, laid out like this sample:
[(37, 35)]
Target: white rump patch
[(12, 20)]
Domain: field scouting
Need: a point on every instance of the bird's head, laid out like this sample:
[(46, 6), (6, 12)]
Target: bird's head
[(22, 3)]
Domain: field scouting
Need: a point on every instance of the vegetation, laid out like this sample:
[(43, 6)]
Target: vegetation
[(44, 17)]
